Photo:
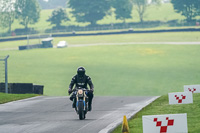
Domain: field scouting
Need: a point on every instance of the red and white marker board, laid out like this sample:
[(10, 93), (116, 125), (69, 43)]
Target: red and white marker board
[(180, 98), (192, 88), (168, 123)]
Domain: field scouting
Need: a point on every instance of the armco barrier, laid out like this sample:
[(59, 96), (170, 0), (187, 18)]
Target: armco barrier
[(38, 89), (13, 39), (22, 88), (46, 43), (108, 33), (24, 47)]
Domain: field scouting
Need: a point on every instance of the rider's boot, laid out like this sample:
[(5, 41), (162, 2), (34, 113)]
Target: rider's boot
[(90, 97), (74, 103), (90, 106)]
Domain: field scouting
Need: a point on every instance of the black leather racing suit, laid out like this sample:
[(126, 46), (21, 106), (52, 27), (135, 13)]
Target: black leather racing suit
[(82, 81)]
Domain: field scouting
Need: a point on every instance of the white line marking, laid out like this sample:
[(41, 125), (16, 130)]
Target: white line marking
[(113, 125)]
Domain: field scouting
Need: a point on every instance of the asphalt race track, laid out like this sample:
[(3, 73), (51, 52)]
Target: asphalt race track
[(54, 114)]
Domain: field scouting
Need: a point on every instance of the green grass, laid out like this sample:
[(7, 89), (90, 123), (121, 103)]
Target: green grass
[(153, 37), (4, 98), (161, 106), (115, 70)]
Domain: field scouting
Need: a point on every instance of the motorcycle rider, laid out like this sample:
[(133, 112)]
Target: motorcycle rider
[(81, 80)]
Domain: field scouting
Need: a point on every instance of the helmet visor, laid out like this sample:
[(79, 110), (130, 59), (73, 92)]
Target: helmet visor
[(81, 73)]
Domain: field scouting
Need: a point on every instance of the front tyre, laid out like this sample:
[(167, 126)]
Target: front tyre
[(81, 111)]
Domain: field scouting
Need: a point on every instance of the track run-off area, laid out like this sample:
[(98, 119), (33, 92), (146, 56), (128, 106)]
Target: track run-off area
[(44, 114)]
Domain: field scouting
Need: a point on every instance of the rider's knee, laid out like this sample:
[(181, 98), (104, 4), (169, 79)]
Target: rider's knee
[(72, 97), (90, 95)]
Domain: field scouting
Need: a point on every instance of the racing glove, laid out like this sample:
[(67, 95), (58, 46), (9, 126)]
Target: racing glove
[(92, 90), (70, 91)]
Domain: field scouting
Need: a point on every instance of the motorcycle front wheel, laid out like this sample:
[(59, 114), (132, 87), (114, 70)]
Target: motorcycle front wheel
[(81, 111)]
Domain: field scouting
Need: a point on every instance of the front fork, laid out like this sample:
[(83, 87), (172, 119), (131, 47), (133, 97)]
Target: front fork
[(85, 100)]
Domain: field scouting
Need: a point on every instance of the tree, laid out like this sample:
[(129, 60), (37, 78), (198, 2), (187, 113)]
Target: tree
[(27, 11), (188, 8), (123, 9), (141, 6), (57, 16), (89, 10), (7, 14)]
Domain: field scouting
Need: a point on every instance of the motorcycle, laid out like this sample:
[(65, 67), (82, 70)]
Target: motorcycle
[(81, 101)]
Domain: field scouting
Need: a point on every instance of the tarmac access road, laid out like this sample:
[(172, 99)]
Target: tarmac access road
[(45, 114), (121, 43)]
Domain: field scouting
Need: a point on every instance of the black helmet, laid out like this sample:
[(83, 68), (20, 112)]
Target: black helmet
[(81, 71)]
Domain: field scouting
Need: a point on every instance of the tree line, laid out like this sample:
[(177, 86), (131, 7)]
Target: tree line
[(28, 11)]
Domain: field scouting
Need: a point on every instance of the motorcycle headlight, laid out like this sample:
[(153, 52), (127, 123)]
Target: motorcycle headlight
[(80, 92)]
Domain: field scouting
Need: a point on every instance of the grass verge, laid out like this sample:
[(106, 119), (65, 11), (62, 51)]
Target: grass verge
[(4, 98), (161, 106)]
